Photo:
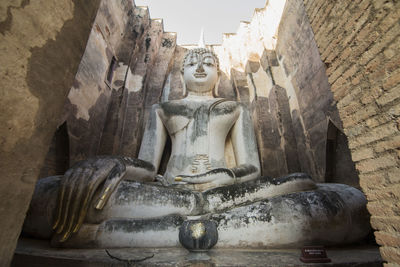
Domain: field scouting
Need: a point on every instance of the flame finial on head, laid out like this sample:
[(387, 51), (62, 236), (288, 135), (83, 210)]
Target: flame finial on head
[(202, 43)]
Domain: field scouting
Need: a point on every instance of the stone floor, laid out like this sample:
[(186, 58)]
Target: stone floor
[(38, 253)]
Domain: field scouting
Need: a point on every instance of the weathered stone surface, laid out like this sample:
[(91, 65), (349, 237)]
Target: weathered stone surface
[(89, 98), (33, 92), (128, 47), (175, 81), (38, 252), (299, 56), (268, 139), (136, 85), (279, 105), (141, 215), (159, 73), (356, 41)]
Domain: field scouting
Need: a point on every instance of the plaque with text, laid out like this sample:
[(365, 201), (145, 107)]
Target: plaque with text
[(314, 254)]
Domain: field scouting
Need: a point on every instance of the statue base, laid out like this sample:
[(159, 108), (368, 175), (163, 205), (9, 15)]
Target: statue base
[(38, 253)]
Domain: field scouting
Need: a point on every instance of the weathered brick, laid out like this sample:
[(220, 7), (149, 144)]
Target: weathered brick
[(392, 80), (378, 4), (349, 98), (365, 112), (390, 193), (386, 223), (346, 53), (381, 208), (375, 134), (357, 22), (321, 16), (389, 144), (362, 153), (390, 51), (367, 31), (387, 239), (391, 15), (380, 44), (394, 175), (377, 120), (390, 254), (350, 72), (376, 63), (316, 10), (372, 181), (390, 96), (350, 108), (357, 78), (372, 94), (393, 61), (340, 88), (374, 164), (354, 130)]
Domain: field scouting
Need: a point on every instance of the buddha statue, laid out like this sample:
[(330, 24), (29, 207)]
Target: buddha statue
[(113, 201)]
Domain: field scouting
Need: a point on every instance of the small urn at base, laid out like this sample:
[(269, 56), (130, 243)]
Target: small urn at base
[(198, 235)]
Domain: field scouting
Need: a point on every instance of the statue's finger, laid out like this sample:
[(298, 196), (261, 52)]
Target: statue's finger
[(95, 180), (78, 196), (196, 179), (69, 188), (61, 194), (112, 181)]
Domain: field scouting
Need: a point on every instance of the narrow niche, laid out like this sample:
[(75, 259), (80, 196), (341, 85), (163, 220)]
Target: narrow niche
[(57, 158), (110, 72), (340, 167)]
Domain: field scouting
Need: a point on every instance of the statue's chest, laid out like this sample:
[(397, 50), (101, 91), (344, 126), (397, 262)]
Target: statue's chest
[(198, 118)]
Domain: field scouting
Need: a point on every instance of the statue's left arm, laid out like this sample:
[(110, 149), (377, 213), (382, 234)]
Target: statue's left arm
[(245, 147), (246, 155)]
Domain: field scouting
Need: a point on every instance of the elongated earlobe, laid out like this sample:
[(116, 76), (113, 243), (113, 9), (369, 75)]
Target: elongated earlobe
[(215, 91), (183, 86)]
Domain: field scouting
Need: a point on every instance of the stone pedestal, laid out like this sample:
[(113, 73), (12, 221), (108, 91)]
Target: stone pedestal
[(38, 253)]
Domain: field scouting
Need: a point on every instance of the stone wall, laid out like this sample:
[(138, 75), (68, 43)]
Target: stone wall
[(121, 75), (359, 43), (118, 29), (313, 109), (274, 65), (42, 43)]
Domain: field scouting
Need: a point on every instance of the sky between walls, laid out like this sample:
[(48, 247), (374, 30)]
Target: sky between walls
[(187, 17)]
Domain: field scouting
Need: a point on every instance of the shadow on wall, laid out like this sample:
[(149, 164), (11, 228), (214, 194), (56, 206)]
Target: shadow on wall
[(57, 158), (339, 166)]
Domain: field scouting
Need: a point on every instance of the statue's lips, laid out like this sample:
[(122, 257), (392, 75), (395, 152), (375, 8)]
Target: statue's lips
[(200, 75)]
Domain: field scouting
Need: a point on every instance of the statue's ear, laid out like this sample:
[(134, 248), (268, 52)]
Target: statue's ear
[(183, 85), (215, 91)]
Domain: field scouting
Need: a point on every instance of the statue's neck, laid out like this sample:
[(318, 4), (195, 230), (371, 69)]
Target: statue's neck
[(199, 95)]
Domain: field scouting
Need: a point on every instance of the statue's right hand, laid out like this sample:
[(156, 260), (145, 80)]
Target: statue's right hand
[(77, 190)]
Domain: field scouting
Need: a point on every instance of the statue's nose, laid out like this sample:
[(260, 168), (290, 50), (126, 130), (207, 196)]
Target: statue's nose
[(200, 67)]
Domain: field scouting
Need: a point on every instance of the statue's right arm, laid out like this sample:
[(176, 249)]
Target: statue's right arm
[(81, 181)]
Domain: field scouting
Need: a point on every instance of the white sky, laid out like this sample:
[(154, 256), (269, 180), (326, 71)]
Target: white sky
[(187, 17)]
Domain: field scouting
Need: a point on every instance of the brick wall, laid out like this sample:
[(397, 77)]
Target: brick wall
[(359, 43)]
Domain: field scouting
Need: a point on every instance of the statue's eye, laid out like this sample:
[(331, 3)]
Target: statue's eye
[(208, 61)]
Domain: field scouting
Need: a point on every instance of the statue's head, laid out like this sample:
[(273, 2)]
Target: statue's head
[(200, 71)]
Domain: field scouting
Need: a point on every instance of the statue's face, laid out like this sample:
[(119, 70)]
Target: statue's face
[(200, 72)]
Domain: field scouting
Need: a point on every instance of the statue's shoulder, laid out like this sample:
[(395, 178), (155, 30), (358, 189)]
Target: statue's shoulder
[(228, 106), (175, 107)]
